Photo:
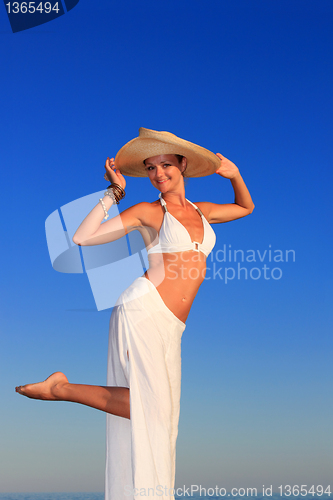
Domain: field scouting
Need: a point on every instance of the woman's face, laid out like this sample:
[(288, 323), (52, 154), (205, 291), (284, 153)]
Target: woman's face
[(165, 172)]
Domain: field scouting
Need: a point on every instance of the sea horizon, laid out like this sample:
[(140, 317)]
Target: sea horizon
[(100, 496)]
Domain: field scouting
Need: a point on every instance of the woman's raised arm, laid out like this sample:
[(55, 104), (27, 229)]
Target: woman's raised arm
[(91, 231), (243, 204)]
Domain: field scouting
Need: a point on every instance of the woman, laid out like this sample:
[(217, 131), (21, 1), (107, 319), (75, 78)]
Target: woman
[(143, 392)]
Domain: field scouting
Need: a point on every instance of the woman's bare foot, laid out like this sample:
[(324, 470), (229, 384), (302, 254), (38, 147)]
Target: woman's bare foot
[(50, 389)]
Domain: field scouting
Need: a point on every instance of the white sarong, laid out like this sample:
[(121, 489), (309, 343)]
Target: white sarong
[(144, 355)]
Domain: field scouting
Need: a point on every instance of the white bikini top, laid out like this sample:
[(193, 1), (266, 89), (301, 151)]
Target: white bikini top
[(174, 237)]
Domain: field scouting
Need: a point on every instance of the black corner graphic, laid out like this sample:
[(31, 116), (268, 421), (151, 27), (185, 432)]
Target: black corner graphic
[(70, 4), (26, 15)]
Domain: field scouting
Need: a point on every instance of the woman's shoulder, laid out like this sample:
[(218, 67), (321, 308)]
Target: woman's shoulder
[(144, 211), (204, 207), (145, 205)]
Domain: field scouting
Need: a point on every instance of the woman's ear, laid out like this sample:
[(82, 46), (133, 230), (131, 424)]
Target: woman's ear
[(183, 165)]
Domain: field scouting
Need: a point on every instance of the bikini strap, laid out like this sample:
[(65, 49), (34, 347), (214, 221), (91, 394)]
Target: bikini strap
[(163, 202), (199, 211), (164, 205), (197, 208)]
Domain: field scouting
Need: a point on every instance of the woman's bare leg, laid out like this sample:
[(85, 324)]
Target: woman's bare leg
[(56, 387)]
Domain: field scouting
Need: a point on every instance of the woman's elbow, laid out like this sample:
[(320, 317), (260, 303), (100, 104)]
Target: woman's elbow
[(249, 209), (76, 240)]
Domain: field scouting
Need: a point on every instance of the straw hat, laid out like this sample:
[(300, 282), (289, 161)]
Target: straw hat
[(129, 159)]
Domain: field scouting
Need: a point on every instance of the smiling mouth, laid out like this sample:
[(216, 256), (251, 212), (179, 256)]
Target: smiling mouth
[(161, 182)]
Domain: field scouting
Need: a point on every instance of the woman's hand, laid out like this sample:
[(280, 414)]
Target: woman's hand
[(112, 174), (227, 168)]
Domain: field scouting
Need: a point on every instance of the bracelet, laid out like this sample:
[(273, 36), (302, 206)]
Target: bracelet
[(104, 208), (117, 190), (114, 185), (117, 194), (110, 193)]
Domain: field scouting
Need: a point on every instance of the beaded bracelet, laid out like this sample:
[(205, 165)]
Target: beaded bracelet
[(114, 185), (104, 208), (110, 193), (118, 191)]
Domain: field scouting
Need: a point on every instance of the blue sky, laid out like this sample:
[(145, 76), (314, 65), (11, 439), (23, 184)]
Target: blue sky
[(249, 79)]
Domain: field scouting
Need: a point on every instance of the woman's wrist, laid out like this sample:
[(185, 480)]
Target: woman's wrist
[(236, 176), (108, 201), (231, 176), (116, 191)]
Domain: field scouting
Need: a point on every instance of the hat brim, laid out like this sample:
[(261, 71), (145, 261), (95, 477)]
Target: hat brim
[(129, 159)]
